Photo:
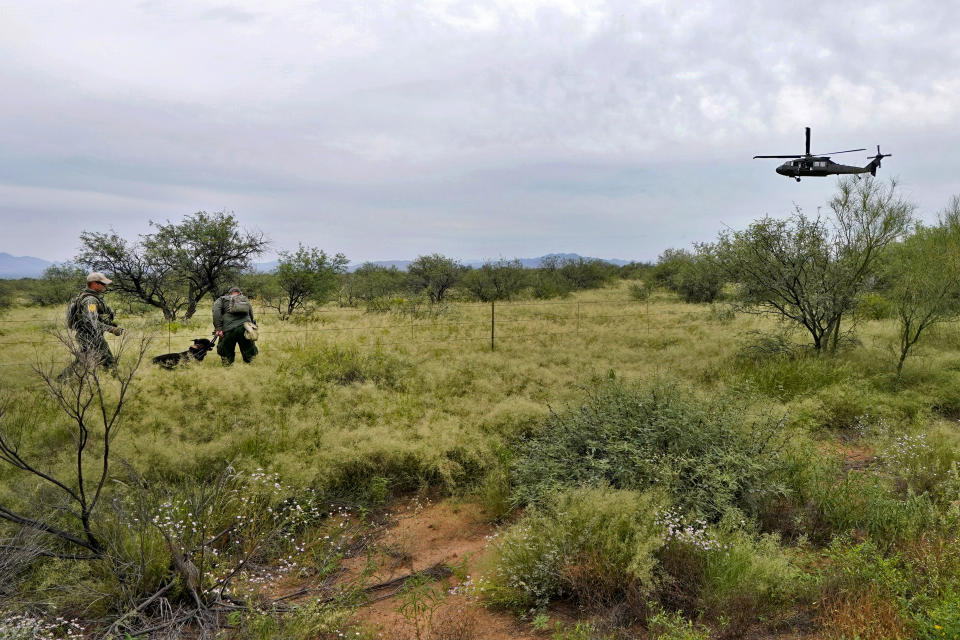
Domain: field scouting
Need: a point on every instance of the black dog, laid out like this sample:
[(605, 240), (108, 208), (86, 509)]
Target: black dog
[(197, 351)]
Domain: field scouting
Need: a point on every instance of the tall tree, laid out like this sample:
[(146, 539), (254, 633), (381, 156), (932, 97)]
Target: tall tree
[(174, 267), (924, 279), (308, 274), (435, 274), (204, 251), (135, 271), (500, 280), (370, 281), (810, 271)]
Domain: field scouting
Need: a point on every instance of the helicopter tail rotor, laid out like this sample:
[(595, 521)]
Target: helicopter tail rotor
[(875, 161)]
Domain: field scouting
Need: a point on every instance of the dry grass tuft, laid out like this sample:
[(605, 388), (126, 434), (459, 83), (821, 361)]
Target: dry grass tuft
[(867, 615)]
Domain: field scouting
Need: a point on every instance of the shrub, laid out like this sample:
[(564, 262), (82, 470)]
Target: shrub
[(593, 545), (727, 573), (748, 578), (639, 291), (501, 280), (927, 462), (873, 306), (941, 619), (698, 280), (674, 626), (860, 592), (668, 267), (659, 435), (829, 501)]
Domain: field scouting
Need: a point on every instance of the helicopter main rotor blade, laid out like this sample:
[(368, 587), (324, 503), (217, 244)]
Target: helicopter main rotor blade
[(755, 157), (833, 153)]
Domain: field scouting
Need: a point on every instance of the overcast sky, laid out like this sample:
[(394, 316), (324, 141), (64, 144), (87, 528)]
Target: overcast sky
[(386, 130)]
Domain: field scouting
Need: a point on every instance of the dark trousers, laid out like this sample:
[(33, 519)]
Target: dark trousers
[(227, 346), (90, 347)]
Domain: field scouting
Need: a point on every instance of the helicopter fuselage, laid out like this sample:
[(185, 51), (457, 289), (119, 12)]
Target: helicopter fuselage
[(817, 167)]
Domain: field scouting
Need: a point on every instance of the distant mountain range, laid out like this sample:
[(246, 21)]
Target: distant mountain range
[(21, 266), (29, 267)]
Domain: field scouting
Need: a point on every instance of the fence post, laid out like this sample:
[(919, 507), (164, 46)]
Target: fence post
[(578, 316), (493, 324)]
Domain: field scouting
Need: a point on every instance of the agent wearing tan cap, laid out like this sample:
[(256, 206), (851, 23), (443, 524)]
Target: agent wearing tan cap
[(89, 316)]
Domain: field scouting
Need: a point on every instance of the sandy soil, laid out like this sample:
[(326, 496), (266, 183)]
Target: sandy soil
[(419, 535)]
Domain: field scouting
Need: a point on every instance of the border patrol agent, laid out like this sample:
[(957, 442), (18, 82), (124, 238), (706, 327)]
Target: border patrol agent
[(89, 316), (229, 314)]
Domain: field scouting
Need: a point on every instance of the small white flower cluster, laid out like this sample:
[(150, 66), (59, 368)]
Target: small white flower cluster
[(865, 426), (263, 522), (470, 588), (676, 528), (27, 627), (530, 563), (908, 456)]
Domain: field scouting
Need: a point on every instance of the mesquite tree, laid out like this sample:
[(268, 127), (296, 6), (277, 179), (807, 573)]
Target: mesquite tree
[(811, 270), (174, 267), (308, 274), (435, 274), (923, 274)]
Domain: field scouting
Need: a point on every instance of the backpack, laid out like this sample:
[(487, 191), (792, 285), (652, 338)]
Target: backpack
[(74, 311), (237, 304)]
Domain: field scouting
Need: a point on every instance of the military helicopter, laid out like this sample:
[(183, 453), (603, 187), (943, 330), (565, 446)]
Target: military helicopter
[(821, 165)]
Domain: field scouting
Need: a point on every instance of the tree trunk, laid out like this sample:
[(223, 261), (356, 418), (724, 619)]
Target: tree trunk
[(191, 309), (836, 334)]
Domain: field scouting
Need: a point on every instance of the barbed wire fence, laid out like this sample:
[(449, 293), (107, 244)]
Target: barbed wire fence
[(491, 326)]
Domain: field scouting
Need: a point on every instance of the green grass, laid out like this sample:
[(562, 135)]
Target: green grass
[(360, 406)]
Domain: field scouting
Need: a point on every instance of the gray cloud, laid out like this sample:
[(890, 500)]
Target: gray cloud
[(478, 129)]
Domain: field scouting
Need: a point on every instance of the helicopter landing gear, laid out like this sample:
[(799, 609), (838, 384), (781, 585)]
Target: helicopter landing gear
[(797, 179)]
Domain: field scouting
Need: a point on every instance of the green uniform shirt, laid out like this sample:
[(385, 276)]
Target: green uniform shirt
[(95, 314), (225, 321)]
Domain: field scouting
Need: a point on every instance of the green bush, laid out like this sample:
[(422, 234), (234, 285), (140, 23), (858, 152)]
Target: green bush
[(698, 280), (873, 306), (861, 565), (748, 578), (674, 626), (659, 435), (727, 573), (595, 546), (940, 619), (829, 501), (639, 291)]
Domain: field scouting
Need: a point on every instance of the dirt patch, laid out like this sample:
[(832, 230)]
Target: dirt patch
[(855, 457), (420, 536)]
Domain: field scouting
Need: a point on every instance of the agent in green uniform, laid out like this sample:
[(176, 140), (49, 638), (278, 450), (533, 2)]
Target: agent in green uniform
[(229, 314), (89, 316)]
